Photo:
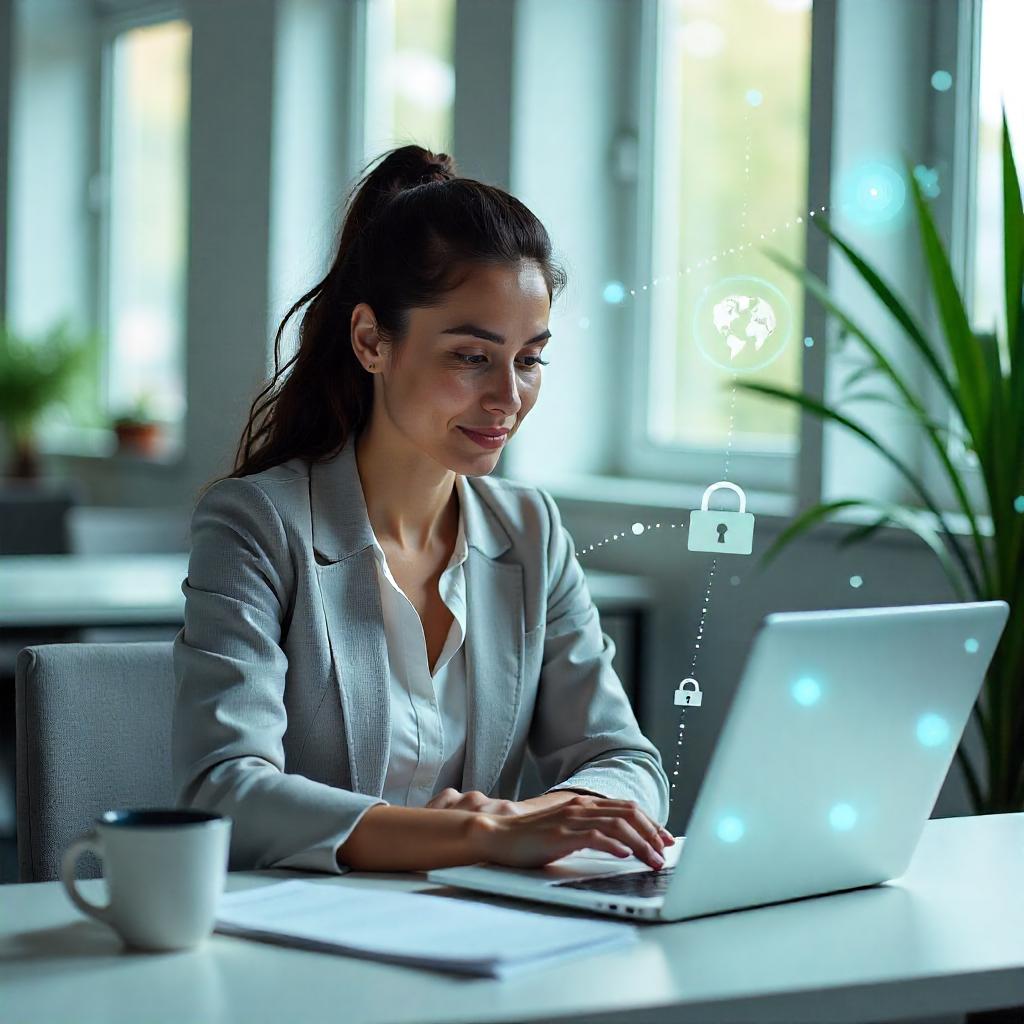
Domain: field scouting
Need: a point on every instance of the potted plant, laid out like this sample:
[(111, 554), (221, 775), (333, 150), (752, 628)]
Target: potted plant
[(136, 428), (982, 379), (36, 374)]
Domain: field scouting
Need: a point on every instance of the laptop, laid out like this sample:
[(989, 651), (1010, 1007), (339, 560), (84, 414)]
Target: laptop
[(828, 765)]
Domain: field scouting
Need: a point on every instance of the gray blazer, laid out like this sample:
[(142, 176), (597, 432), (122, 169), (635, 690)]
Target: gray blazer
[(282, 712)]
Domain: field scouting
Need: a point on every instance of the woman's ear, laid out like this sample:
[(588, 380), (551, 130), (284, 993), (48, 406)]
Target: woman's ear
[(366, 341)]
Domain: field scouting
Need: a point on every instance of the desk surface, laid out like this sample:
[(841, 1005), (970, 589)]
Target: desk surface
[(124, 590), (945, 938)]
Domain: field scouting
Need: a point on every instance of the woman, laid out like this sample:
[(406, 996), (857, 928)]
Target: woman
[(375, 633)]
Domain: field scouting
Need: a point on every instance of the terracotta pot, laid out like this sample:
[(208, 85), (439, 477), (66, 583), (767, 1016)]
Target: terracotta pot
[(141, 438), (25, 462)]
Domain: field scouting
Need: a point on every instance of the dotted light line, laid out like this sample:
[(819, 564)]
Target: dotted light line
[(707, 261)]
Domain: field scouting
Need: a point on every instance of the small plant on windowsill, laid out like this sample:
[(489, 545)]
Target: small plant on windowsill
[(982, 380), (37, 374), (138, 431)]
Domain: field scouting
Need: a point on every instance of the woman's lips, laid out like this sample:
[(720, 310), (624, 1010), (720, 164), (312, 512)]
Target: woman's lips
[(484, 440)]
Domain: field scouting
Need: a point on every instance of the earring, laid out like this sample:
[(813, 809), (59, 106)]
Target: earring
[(371, 366)]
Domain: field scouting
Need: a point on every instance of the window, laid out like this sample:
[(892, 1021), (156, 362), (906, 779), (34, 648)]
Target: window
[(410, 75), (146, 219), (1000, 83), (730, 157)]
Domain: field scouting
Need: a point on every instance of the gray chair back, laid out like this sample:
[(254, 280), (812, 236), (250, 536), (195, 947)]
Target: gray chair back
[(93, 733)]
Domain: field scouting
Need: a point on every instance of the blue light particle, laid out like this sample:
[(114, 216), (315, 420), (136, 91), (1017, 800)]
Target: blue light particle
[(942, 81), (971, 645), (873, 194), (808, 342), (932, 730), (856, 581), (614, 293), (755, 97), (842, 817), (1018, 503), (806, 691), (730, 829)]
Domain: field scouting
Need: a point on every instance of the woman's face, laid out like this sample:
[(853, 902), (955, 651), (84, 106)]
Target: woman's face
[(467, 368)]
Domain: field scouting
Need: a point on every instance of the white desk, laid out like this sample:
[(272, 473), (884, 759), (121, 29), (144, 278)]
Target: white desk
[(946, 938), (79, 591)]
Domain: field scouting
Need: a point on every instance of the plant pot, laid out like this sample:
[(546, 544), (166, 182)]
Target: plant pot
[(25, 462), (138, 438)]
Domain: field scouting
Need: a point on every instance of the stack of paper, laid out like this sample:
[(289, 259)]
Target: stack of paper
[(412, 928)]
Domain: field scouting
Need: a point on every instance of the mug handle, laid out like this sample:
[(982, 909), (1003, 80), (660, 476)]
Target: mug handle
[(90, 841)]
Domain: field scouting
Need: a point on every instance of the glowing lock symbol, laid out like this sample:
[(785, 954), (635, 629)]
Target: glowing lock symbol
[(688, 698), (720, 532)]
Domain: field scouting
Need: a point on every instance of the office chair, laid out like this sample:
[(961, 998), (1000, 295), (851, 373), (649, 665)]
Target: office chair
[(93, 733)]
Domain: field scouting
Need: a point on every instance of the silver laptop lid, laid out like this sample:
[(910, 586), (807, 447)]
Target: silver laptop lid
[(833, 752)]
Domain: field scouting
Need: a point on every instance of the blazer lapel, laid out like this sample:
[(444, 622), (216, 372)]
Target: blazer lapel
[(342, 543), (342, 547), (495, 616)]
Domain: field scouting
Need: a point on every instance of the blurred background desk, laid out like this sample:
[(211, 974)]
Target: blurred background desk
[(70, 592)]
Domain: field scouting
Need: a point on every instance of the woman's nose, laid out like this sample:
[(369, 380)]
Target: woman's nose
[(504, 395)]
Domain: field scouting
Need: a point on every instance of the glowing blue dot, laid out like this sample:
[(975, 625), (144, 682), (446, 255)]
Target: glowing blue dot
[(942, 81), (872, 194), (755, 97), (806, 691), (856, 581), (637, 528), (1018, 503), (808, 342), (928, 179), (971, 645), (842, 817), (730, 829), (614, 292), (932, 730)]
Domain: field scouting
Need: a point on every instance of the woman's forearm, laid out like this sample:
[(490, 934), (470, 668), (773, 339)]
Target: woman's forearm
[(389, 838)]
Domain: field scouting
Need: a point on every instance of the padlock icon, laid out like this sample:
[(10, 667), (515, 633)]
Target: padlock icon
[(688, 698), (720, 532)]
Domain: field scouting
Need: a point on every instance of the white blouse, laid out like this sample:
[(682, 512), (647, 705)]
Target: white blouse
[(428, 711)]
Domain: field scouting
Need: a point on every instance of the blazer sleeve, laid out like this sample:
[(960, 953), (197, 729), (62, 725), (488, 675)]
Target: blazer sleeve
[(229, 715), (584, 734)]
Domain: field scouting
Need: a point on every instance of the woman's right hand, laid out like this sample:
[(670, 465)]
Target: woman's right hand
[(584, 822)]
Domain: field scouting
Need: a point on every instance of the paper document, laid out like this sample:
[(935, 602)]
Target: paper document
[(412, 928)]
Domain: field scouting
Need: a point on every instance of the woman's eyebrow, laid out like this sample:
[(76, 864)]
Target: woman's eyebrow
[(480, 332)]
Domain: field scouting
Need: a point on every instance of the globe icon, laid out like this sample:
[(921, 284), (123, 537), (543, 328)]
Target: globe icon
[(744, 319), (741, 323)]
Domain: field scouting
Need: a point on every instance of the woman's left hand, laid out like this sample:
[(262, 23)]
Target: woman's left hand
[(452, 800)]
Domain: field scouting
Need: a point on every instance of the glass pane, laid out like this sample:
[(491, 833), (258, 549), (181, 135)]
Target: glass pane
[(148, 226), (731, 175), (410, 74), (1001, 82)]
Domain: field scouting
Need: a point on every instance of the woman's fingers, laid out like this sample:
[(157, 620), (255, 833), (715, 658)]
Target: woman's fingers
[(595, 839), (622, 830), (631, 813)]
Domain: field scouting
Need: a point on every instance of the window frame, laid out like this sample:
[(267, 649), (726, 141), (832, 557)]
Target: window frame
[(784, 470), (129, 15)]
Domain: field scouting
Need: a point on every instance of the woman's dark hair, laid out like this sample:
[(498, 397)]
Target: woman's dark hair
[(413, 230)]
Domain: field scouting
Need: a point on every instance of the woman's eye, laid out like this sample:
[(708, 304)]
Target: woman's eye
[(475, 360)]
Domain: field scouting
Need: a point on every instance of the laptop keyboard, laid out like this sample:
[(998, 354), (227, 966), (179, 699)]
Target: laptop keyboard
[(633, 883)]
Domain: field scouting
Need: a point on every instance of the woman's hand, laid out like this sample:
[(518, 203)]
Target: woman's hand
[(452, 800), (535, 838)]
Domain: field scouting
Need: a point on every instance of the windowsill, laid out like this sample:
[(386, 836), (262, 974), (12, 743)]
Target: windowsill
[(773, 509), (92, 444)]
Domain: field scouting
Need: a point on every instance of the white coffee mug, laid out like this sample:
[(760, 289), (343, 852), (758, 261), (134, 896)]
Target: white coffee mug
[(165, 872)]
